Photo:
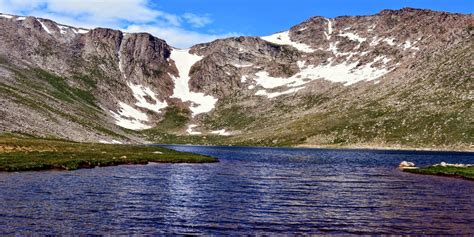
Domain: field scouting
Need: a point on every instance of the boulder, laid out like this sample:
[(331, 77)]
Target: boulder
[(406, 165)]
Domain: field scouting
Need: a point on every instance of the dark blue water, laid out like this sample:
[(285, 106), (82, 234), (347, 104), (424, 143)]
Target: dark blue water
[(251, 190)]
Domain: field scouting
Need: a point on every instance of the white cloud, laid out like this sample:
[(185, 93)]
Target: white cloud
[(197, 21), (108, 10), (175, 36), (131, 15)]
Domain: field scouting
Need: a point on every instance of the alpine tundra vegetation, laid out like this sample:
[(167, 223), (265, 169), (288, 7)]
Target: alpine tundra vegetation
[(396, 79)]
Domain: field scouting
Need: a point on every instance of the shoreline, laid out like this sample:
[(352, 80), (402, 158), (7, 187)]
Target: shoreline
[(33, 154), (466, 173), (375, 148), (387, 148)]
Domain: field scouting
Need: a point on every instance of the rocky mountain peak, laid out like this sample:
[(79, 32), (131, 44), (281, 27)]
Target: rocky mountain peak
[(135, 81)]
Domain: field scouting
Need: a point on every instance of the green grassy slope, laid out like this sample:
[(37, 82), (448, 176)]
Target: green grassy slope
[(20, 154)]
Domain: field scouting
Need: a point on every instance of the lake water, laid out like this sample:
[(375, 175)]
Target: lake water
[(251, 190)]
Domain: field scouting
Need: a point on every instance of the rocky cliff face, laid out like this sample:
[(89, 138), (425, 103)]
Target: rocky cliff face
[(397, 78)]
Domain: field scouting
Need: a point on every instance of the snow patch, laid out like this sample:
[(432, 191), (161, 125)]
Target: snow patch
[(120, 58), (130, 118), (45, 27), (140, 92), (371, 28), (276, 94), (384, 59), (221, 132), (283, 38), (201, 103), (329, 30), (375, 41), (409, 45), (300, 63), (21, 18), (302, 29), (80, 31), (389, 41), (110, 142), (243, 79), (190, 130), (63, 29), (347, 73), (237, 65), (353, 37), (333, 48)]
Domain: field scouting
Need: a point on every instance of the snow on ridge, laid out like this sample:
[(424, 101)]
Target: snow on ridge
[(44, 27), (80, 31), (62, 28), (130, 118), (18, 18), (6, 16), (283, 38), (330, 29), (184, 60), (140, 92)]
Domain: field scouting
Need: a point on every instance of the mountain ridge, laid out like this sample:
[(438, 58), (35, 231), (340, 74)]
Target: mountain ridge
[(257, 90)]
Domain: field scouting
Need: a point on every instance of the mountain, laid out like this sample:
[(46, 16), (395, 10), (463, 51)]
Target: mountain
[(399, 78)]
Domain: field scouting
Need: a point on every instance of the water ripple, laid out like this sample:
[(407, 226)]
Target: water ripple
[(251, 191)]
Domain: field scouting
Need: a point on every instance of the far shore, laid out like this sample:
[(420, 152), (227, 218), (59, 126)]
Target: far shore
[(344, 147), (399, 148)]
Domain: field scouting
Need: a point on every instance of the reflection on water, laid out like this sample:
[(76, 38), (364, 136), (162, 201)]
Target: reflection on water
[(252, 190)]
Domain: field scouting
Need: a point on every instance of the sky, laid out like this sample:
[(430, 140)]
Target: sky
[(183, 23)]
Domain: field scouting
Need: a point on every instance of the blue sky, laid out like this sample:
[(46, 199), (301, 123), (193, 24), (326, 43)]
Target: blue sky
[(186, 22)]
